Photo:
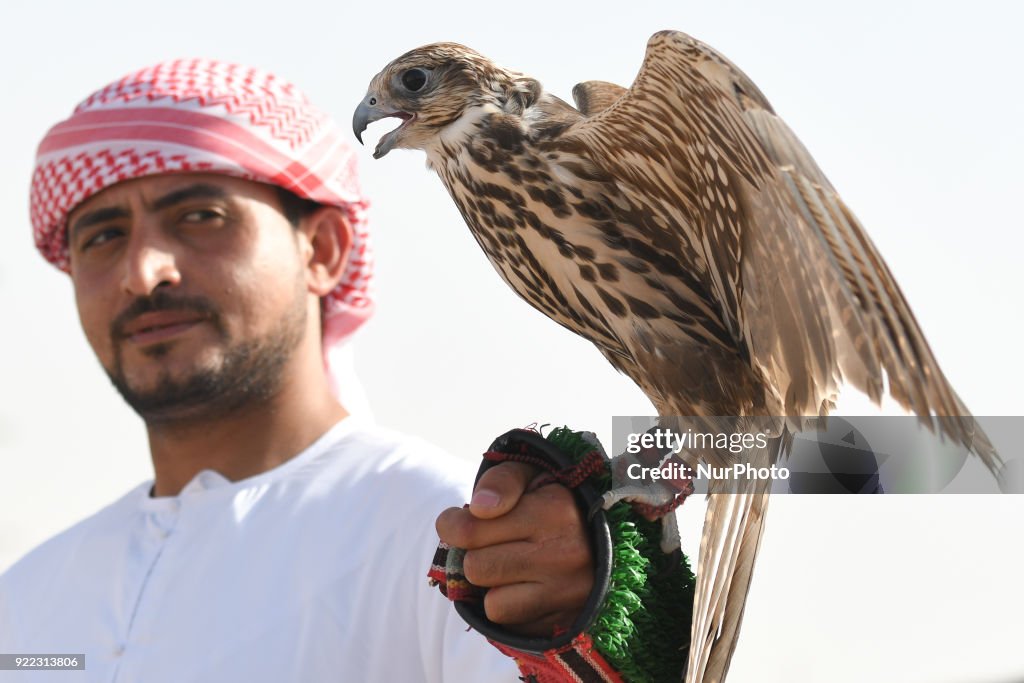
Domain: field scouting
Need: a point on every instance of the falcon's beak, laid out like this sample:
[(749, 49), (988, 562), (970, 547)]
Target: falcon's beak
[(372, 109)]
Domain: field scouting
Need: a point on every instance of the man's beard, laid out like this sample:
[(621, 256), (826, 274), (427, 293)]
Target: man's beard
[(249, 372)]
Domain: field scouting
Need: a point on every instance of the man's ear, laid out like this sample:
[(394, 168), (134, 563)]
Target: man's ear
[(327, 243)]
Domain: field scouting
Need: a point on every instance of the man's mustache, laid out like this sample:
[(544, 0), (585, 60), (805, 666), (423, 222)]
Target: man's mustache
[(163, 301)]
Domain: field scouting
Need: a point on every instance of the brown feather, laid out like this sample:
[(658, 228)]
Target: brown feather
[(592, 97)]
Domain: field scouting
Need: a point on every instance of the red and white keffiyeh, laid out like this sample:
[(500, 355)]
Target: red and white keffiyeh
[(201, 115)]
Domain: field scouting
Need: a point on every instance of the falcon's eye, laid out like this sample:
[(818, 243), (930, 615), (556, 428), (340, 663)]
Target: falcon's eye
[(414, 79)]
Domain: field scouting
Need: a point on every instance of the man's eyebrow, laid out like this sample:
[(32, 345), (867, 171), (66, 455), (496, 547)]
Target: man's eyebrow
[(98, 216), (197, 191)]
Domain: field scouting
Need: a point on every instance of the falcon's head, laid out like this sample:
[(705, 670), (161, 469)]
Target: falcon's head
[(431, 87)]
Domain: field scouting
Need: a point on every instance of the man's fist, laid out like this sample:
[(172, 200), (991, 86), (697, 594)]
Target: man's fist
[(528, 546)]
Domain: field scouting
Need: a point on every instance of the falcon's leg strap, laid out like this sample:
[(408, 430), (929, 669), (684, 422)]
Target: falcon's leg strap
[(655, 500)]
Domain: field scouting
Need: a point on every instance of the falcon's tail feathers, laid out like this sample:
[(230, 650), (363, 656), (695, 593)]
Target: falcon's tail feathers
[(732, 535)]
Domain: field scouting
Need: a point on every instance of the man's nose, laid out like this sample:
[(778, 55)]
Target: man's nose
[(150, 263)]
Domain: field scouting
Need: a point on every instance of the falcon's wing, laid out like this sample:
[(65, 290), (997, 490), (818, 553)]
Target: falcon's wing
[(883, 324), (791, 261)]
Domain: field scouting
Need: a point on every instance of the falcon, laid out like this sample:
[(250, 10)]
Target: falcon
[(683, 229)]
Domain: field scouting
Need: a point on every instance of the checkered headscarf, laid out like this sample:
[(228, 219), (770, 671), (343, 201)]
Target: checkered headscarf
[(205, 116)]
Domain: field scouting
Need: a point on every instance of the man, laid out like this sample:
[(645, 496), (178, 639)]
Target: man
[(215, 236)]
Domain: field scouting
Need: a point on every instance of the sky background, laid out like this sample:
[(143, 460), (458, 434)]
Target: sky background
[(914, 111)]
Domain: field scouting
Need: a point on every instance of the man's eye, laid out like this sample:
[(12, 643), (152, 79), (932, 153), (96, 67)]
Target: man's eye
[(200, 216), (102, 237)]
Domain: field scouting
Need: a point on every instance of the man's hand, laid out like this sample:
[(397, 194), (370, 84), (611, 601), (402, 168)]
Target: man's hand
[(530, 548)]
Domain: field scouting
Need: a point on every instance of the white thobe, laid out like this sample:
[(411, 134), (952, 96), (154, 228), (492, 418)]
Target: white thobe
[(311, 572)]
